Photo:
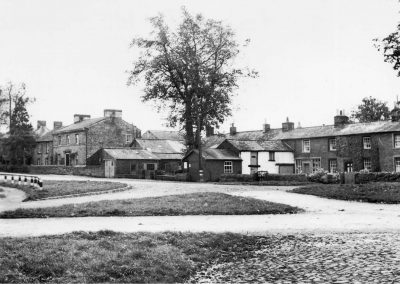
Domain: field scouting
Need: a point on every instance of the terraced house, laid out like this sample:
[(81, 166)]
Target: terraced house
[(73, 144)]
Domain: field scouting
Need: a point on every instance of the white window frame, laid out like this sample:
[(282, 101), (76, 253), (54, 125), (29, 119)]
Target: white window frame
[(228, 167), (306, 149), (39, 151), (38, 162), (59, 140), (77, 139), (67, 139), (332, 168), (314, 162), (271, 154), (367, 164), (332, 144), (367, 142), (397, 164), (396, 139), (128, 138), (299, 167), (47, 148)]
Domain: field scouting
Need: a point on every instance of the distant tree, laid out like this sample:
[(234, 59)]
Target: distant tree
[(20, 143), (370, 110), (190, 72)]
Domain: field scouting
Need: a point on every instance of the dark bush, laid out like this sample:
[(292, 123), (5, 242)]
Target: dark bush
[(14, 169)]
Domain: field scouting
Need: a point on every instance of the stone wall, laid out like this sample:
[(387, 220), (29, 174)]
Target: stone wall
[(93, 171)]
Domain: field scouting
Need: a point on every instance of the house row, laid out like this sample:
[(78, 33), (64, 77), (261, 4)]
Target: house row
[(120, 147)]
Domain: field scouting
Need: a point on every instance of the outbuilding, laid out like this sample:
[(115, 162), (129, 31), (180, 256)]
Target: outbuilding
[(215, 162)]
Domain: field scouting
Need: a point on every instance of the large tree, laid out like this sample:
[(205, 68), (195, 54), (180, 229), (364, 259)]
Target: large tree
[(21, 141), (390, 46), (190, 72), (371, 109)]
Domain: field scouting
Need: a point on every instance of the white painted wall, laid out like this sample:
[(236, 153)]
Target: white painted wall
[(265, 164)]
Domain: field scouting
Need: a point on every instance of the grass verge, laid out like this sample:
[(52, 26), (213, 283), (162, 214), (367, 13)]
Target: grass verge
[(376, 192), (55, 188), (107, 256), (207, 203)]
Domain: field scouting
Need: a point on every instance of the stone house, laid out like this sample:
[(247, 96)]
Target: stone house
[(215, 162), (43, 152), (73, 144)]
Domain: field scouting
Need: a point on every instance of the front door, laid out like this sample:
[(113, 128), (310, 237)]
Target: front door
[(67, 159), (348, 167), (306, 168), (109, 168), (253, 162)]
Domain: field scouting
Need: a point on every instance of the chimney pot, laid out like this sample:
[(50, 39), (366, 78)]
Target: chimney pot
[(287, 126), (232, 130), (113, 113), (41, 123), (81, 117), (266, 127), (57, 125), (341, 119)]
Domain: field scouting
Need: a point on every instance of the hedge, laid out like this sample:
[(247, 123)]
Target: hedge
[(268, 177), (377, 176)]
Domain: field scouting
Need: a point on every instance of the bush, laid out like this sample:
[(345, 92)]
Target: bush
[(236, 177), (365, 177), (14, 169)]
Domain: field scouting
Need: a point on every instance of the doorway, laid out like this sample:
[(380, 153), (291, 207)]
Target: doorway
[(306, 168), (109, 168), (67, 159)]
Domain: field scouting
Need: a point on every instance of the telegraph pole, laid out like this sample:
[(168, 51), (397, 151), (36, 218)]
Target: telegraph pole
[(201, 174)]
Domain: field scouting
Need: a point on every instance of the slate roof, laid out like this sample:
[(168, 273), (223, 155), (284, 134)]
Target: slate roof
[(268, 145), (215, 154), (130, 154), (161, 146), (80, 125), (163, 134), (48, 136)]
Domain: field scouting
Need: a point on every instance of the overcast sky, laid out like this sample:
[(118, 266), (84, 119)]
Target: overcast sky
[(313, 56)]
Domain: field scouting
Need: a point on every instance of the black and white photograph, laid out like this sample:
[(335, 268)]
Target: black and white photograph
[(188, 141)]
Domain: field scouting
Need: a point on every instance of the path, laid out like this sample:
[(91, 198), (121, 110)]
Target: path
[(322, 215)]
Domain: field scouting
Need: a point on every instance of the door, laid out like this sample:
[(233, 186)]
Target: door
[(253, 162), (67, 160), (306, 168), (109, 168), (348, 167)]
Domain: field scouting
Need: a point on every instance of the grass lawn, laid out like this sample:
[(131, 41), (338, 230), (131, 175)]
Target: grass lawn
[(106, 256), (378, 192), (208, 203), (53, 188)]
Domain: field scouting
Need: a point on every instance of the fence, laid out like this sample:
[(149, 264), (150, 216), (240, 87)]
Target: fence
[(21, 179)]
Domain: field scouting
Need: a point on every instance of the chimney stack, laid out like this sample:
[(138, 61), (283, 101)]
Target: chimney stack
[(57, 125), (209, 131), (340, 119), (113, 113), (80, 117), (287, 126), (232, 130), (41, 123), (266, 127)]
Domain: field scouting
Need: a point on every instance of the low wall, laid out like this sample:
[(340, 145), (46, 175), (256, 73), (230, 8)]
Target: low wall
[(268, 177), (92, 171), (177, 177)]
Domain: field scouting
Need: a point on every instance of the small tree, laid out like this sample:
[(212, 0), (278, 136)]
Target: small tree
[(190, 72), (370, 110)]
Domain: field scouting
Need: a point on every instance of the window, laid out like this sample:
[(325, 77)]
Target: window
[(332, 144), (306, 146), (133, 168), (332, 166), (397, 164), (272, 156), (39, 148), (46, 161), (298, 167), (397, 141), (47, 147), (367, 142), (367, 164), (228, 169), (150, 167), (59, 140), (316, 164), (67, 139), (128, 138), (77, 139), (38, 162)]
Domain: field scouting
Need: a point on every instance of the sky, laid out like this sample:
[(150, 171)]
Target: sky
[(313, 56)]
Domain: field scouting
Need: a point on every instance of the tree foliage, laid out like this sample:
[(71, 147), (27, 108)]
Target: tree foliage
[(370, 110), (390, 46), (190, 72)]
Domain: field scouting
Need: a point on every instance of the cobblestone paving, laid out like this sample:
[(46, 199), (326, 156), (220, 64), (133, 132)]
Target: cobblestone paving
[(327, 258)]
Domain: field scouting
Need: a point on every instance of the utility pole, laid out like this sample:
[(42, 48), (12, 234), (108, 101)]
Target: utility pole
[(201, 174)]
